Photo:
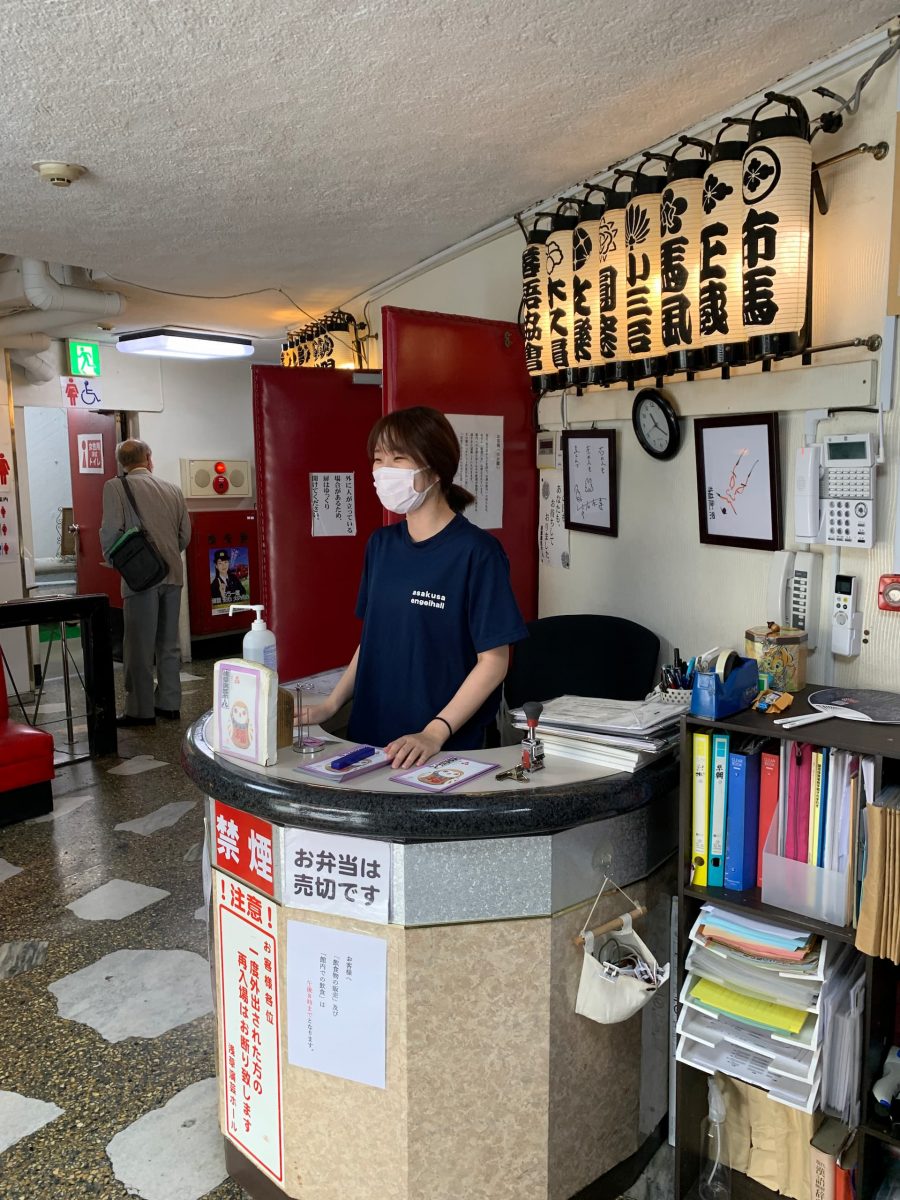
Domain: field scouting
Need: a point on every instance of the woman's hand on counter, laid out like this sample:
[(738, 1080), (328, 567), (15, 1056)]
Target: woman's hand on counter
[(413, 749), (315, 714)]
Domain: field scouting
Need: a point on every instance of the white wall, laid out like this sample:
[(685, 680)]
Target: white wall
[(207, 412), (656, 571), (49, 478)]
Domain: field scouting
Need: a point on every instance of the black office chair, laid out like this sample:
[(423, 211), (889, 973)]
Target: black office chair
[(582, 655)]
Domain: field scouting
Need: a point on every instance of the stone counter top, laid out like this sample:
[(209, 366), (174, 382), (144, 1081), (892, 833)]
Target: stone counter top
[(564, 795)]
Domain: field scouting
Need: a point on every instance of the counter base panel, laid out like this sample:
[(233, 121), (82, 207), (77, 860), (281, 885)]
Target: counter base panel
[(496, 1089)]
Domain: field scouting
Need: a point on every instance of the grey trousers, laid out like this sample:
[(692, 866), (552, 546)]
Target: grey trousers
[(151, 631)]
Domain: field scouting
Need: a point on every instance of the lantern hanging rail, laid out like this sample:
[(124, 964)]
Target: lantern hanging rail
[(879, 152), (613, 925), (872, 343)]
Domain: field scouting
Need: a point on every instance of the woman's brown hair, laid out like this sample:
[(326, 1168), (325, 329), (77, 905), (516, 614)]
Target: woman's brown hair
[(427, 437)]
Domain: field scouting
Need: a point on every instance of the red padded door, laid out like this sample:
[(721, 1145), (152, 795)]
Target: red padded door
[(92, 461), (311, 420), (469, 365)]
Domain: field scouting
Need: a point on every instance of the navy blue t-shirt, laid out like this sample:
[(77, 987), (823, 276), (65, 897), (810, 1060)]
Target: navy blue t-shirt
[(428, 609)]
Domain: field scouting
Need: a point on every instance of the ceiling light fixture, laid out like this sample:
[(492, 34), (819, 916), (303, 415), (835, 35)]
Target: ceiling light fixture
[(184, 343)]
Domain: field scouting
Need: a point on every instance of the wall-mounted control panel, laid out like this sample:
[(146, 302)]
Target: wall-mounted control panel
[(215, 478)]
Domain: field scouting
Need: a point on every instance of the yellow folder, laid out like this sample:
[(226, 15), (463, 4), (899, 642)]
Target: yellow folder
[(700, 828)]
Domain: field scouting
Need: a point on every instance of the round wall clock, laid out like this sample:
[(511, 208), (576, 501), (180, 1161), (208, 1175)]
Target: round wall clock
[(656, 424)]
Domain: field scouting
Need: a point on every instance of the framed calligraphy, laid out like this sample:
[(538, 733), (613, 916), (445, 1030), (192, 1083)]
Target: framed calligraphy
[(739, 481), (590, 495)]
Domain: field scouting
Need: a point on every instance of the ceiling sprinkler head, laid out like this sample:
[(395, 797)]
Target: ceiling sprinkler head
[(60, 174)]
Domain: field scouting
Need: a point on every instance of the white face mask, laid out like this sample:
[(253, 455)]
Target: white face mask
[(396, 490)]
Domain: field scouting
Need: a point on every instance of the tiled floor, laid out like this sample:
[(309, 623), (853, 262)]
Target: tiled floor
[(106, 1031), (106, 1026)]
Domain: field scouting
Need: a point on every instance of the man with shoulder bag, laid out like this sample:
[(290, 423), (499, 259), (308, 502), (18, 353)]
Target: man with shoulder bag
[(145, 528)]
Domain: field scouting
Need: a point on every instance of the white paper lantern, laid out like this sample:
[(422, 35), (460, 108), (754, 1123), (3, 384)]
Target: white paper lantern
[(721, 268), (599, 258), (584, 339), (558, 261), (535, 308), (776, 184), (644, 349), (681, 216), (340, 341)]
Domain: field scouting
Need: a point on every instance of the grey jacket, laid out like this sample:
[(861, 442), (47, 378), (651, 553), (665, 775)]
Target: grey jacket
[(163, 513)]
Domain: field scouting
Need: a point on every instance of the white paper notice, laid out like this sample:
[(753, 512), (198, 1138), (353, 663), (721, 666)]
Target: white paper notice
[(481, 466), (337, 1002), (553, 537), (346, 875), (249, 1021), (333, 503), (90, 453)]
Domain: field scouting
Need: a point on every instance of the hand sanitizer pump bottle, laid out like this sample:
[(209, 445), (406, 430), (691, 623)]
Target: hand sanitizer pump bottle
[(259, 641), (715, 1174)]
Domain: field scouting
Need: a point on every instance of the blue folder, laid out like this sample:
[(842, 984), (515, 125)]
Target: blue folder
[(742, 825)]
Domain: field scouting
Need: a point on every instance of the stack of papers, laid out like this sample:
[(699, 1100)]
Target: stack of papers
[(753, 1002), (624, 734)]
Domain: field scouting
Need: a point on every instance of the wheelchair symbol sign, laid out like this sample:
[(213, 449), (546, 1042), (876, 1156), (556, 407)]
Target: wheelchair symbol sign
[(80, 392)]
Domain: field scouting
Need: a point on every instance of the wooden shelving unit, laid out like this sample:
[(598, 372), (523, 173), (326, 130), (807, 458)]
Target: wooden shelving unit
[(882, 742)]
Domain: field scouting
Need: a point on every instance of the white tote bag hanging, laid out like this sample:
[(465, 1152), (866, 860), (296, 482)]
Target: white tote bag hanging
[(619, 975)]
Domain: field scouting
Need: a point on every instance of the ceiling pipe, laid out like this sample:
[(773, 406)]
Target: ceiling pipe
[(45, 293), (76, 277), (35, 368), (35, 342), (36, 320)]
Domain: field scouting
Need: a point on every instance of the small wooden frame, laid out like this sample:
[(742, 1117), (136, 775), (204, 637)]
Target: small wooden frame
[(590, 497)]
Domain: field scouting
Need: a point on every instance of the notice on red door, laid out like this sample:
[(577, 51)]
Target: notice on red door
[(249, 1022), (243, 846), (90, 453)]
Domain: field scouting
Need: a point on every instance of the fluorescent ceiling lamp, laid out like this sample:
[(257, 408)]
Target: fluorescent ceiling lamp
[(184, 343)]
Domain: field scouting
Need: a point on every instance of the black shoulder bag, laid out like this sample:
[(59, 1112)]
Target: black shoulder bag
[(134, 556)]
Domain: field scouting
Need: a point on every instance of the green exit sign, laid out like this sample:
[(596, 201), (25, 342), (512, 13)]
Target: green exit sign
[(84, 358)]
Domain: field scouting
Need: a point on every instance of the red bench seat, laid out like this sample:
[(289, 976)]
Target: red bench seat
[(26, 768)]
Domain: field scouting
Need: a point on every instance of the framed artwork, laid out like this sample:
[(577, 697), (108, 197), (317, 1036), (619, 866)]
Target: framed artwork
[(739, 481), (589, 481)]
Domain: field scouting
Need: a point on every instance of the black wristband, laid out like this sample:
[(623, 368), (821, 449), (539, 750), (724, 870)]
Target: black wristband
[(446, 722)]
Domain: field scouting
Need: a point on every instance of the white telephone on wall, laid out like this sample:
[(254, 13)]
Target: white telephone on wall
[(795, 582), (834, 492)]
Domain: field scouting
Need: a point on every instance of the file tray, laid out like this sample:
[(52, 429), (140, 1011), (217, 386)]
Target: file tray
[(801, 888), (794, 1062), (752, 1068), (785, 971), (714, 698)]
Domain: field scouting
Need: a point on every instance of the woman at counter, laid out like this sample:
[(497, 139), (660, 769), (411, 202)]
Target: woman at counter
[(435, 600)]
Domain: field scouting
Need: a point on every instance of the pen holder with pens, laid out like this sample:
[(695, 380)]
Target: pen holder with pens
[(670, 696)]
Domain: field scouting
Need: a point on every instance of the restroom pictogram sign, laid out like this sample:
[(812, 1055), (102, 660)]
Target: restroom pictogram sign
[(90, 454)]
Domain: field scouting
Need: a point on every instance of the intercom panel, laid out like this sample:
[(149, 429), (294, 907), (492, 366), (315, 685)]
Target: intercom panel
[(793, 595)]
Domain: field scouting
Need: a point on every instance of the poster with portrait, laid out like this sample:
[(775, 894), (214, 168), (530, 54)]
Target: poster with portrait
[(739, 481), (229, 577)]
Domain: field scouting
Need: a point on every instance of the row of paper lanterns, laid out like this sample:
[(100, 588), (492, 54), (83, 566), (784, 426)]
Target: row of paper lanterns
[(332, 341), (704, 266)]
